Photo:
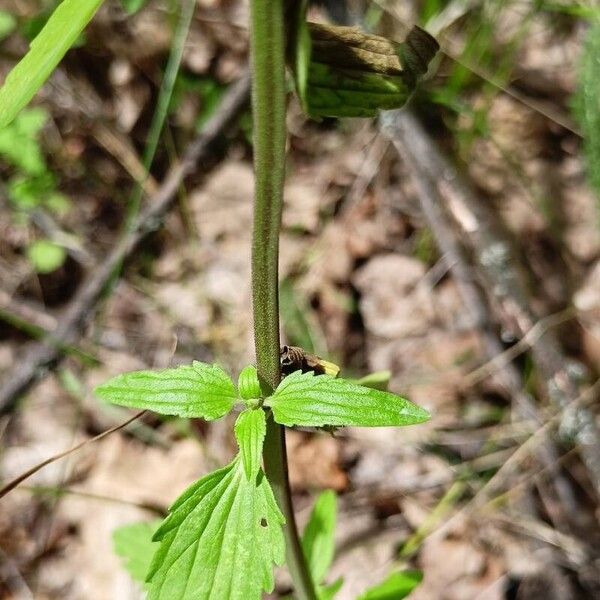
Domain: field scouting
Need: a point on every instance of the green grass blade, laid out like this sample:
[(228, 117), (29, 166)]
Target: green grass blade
[(162, 105), (586, 105), (46, 51)]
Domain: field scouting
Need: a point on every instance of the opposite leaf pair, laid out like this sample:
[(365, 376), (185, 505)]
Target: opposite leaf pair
[(206, 391), (224, 533)]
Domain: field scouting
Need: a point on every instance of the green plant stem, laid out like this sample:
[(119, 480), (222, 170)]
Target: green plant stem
[(162, 105), (268, 109)]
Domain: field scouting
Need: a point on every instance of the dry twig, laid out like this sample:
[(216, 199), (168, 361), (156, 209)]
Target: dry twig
[(82, 306), (493, 255), (506, 374)]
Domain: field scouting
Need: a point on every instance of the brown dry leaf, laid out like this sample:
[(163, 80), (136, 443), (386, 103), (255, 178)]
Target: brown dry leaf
[(223, 206), (134, 324), (392, 303), (128, 470), (141, 38), (390, 459), (587, 301), (302, 203), (372, 225), (580, 206), (315, 462), (455, 569), (50, 424), (332, 261)]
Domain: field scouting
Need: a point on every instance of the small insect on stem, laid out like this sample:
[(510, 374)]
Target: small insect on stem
[(294, 358)]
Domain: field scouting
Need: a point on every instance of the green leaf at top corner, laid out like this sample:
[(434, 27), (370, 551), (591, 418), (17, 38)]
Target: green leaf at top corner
[(311, 400), (395, 587), (47, 49), (194, 391), (220, 540), (318, 542), (250, 430), (133, 543)]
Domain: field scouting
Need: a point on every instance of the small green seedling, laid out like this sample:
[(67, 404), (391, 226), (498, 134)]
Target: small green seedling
[(31, 185), (223, 535)]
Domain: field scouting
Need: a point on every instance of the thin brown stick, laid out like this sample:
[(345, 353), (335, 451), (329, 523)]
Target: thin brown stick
[(42, 354), (26, 311), (523, 345), (151, 507), (483, 497), (447, 240), (11, 485)]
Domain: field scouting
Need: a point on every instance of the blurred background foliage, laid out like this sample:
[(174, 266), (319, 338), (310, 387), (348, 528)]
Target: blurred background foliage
[(489, 500)]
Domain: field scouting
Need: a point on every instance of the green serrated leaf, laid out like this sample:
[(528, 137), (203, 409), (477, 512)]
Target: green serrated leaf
[(46, 51), (395, 587), (219, 541), (133, 543), (199, 390), (315, 401), (318, 541), (45, 256), (250, 430)]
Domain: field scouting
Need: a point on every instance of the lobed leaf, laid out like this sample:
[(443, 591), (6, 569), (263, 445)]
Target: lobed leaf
[(250, 430), (46, 51), (220, 540), (315, 401), (318, 541), (199, 390)]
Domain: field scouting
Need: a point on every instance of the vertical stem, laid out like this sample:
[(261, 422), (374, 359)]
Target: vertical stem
[(268, 107)]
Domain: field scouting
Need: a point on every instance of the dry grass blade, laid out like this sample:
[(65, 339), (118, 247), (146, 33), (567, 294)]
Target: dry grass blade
[(11, 485), (523, 345)]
